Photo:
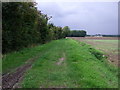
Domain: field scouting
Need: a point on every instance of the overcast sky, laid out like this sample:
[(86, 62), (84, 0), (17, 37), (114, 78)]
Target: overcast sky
[(94, 17)]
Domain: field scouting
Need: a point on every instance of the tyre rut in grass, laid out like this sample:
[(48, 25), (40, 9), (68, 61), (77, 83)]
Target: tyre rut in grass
[(9, 80)]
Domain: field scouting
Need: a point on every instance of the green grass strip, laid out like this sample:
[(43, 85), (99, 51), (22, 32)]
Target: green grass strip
[(69, 64)]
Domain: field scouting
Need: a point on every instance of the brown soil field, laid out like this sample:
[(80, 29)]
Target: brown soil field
[(109, 45), (98, 38)]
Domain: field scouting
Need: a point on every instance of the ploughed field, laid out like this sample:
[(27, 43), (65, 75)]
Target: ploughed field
[(64, 63), (109, 46)]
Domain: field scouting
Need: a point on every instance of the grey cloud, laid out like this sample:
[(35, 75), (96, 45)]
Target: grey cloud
[(95, 17)]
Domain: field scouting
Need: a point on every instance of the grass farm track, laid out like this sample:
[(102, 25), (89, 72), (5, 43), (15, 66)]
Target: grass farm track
[(64, 63)]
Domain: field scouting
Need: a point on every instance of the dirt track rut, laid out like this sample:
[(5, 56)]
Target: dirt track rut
[(9, 80)]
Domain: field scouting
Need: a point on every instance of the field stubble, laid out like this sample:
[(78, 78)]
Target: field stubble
[(109, 45)]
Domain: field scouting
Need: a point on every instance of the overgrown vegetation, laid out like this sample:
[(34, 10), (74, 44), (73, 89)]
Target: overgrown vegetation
[(80, 68), (24, 25), (99, 55)]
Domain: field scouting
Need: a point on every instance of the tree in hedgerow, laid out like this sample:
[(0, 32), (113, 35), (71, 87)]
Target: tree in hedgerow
[(66, 31)]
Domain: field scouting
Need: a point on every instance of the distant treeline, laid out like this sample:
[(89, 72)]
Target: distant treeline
[(77, 33), (106, 35), (25, 26), (111, 35)]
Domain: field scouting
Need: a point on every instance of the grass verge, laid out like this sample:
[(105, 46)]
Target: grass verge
[(13, 60)]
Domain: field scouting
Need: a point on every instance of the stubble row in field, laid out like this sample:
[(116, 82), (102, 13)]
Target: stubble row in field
[(109, 45)]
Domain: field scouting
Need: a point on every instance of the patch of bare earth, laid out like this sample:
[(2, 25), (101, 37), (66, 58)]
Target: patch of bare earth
[(11, 80), (61, 59)]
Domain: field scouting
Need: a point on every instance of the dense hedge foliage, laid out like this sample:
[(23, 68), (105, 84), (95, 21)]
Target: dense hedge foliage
[(23, 25)]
